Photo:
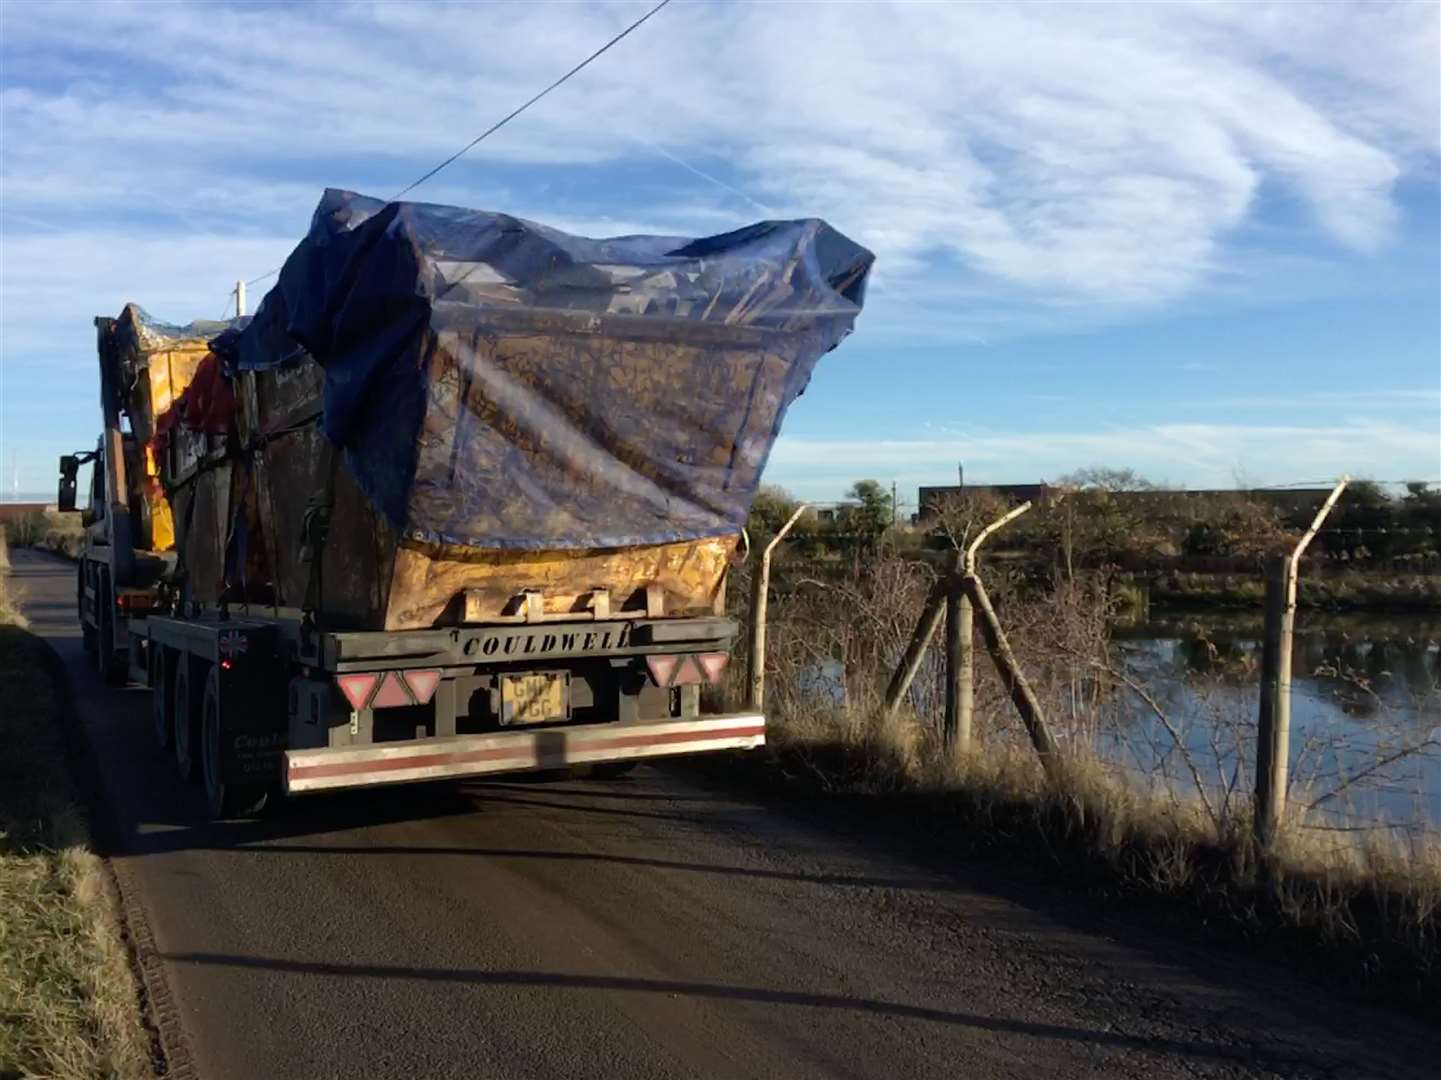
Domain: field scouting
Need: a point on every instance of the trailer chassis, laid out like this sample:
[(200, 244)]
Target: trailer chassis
[(256, 704)]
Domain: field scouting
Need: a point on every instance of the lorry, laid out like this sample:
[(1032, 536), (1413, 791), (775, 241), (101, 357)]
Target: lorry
[(460, 498)]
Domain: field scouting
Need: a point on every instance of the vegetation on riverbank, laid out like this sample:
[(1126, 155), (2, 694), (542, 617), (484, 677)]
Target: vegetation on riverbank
[(1379, 549), (1359, 590), (68, 997)]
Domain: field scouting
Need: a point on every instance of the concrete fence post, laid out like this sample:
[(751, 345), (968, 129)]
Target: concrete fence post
[(760, 599), (1273, 729)]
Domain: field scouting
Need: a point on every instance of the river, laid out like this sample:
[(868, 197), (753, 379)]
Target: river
[(1366, 712)]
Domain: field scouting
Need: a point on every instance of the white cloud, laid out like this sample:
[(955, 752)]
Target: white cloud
[(1070, 152)]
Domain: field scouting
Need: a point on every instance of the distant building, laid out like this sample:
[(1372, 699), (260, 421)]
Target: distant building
[(930, 499), (828, 513)]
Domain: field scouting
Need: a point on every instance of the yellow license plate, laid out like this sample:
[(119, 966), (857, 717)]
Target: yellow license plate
[(534, 698)]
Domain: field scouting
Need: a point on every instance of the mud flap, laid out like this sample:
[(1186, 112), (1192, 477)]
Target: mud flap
[(254, 720)]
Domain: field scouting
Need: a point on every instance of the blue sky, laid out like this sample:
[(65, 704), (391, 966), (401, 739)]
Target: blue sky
[(1197, 240)]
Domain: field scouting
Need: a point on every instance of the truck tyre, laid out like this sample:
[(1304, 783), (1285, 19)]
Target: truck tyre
[(87, 632), (112, 672), (162, 696), (188, 702), (222, 800)]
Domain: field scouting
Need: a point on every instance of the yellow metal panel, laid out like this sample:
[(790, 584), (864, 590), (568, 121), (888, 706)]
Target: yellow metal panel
[(162, 522)]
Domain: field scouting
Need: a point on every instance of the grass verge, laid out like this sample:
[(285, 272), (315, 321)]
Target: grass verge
[(1364, 913), (48, 531), (68, 997)]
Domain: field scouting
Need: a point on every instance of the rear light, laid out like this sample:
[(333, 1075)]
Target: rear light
[(422, 684), (389, 689), (713, 664), (391, 693), (686, 669), (133, 601), (661, 668), (688, 673), (357, 688)]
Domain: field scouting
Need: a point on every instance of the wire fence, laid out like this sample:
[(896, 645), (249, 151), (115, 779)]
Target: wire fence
[(1365, 747)]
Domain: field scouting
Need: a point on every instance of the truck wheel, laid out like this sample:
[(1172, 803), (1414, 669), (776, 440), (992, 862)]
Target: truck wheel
[(188, 701), (221, 799), (162, 696), (112, 673), (87, 632)]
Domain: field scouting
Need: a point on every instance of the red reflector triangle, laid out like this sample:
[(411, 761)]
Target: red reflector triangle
[(688, 672), (713, 663), (422, 684), (391, 693), (357, 688), (661, 668)]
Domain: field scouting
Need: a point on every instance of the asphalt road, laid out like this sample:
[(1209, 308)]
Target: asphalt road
[(651, 927)]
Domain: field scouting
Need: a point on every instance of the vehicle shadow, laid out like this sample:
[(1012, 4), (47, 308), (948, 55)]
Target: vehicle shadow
[(1251, 1056), (308, 821)]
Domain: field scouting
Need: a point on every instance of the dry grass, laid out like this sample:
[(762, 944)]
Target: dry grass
[(9, 609), (68, 998), (48, 531), (1367, 901)]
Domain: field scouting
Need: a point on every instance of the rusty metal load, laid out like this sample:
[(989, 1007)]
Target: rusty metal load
[(150, 366), (448, 416)]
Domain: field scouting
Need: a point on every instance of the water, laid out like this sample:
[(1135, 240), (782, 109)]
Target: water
[(1365, 712)]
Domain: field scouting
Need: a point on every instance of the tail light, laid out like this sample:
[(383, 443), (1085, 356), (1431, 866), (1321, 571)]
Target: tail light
[(422, 684), (686, 669), (357, 688), (388, 689)]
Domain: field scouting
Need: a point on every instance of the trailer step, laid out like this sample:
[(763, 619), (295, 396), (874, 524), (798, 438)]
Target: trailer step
[(326, 769)]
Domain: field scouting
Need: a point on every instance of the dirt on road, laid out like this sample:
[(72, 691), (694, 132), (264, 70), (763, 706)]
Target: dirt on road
[(659, 926)]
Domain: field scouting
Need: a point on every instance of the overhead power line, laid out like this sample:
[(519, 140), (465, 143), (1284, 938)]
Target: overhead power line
[(508, 117), (516, 112)]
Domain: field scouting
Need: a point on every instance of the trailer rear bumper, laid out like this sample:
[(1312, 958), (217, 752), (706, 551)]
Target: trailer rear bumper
[(327, 769)]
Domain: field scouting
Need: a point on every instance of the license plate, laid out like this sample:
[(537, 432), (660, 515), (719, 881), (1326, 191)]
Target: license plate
[(535, 697)]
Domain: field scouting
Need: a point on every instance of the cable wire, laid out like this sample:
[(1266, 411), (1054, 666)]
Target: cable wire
[(507, 119), (516, 112)]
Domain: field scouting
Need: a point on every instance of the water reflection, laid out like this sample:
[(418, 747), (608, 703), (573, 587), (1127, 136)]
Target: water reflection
[(1366, 709)]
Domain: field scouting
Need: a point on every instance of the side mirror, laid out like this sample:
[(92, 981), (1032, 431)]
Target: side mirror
[(69, 467)]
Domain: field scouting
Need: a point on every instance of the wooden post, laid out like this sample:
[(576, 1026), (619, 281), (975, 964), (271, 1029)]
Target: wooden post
[(1273, 734), (960, 669), (952, 722), (1274, 725), (760, 597), (1014, 680), (925, 630)]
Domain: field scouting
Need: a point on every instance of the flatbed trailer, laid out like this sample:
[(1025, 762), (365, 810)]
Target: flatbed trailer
[(460, 499)]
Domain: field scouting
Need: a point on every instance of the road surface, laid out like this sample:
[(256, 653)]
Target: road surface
[(652, 927)]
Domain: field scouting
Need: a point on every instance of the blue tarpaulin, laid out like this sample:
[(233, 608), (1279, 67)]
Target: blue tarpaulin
[(495, 383)]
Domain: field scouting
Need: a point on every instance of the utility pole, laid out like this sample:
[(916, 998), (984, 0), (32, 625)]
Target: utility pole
[(893, 504), (239, 298)]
